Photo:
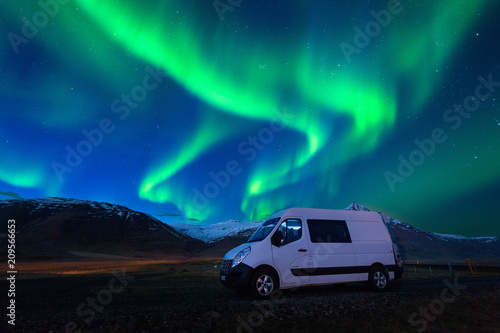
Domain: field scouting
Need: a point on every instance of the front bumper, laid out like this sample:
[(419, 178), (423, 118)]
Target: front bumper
[(237, 277)]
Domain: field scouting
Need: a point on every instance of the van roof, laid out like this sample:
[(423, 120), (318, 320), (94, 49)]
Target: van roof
[(327, 214)]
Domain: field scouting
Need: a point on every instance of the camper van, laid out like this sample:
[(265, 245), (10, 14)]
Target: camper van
[(304, 246)]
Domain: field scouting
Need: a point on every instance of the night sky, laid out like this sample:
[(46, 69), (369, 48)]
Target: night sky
[(236, 109)]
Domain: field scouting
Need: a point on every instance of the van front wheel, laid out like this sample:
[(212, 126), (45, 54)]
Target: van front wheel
[(264, 281), (378, 278)]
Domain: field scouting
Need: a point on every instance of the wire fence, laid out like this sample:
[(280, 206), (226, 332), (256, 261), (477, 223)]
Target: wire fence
[(419, 269), (483, 265)]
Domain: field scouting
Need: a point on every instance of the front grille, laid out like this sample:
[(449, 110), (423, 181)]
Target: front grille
[(226, 265)]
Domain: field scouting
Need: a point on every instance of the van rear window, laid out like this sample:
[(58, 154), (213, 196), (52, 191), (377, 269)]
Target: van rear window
[(328, 231)]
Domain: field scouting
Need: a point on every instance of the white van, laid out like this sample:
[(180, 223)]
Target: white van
[(303, 246)]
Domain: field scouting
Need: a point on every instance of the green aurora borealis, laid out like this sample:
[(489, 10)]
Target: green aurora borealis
[(268, 88)]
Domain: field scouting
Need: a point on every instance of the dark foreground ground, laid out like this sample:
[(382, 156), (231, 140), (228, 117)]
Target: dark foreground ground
[(187, 297)]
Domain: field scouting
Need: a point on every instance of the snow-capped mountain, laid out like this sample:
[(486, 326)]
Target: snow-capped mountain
[(49, 227), (232, 228), (215, 232), (418, 244), (393, 222), (52, 228), (414, 243), (357, 207), (47, 207)]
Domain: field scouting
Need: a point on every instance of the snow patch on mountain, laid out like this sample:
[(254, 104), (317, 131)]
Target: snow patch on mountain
[(50, 206), (214, 232), (430, 235), (357, 207), (460, 237)]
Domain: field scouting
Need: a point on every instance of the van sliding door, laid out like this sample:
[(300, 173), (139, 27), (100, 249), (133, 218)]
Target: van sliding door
[(332, 252)]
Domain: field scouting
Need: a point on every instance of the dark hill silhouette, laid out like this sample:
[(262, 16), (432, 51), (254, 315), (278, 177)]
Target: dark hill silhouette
[(52, 228)]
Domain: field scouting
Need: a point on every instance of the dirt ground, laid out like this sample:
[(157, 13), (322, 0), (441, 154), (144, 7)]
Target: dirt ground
[(186, 296)]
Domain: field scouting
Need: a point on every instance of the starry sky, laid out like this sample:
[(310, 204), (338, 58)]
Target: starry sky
[(204, 111)]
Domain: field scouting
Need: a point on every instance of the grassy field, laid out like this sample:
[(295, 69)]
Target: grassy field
[(186, 296), (44, 269), (208, 267)]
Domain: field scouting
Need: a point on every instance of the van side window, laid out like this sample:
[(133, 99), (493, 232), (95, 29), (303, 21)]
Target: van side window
[(328, 231), (291, 229)]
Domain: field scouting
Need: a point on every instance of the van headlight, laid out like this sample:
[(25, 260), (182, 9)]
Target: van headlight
[(240, 256)]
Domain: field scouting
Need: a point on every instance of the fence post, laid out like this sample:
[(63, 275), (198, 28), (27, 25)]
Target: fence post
[(470, 267)]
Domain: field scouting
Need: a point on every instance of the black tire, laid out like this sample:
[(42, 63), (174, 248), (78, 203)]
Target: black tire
[(378, 279), (264, 283)]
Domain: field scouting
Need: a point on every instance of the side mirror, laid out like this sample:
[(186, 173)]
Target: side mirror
[(277, 239)]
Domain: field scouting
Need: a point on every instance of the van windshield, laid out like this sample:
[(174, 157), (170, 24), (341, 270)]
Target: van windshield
[(264, 230)]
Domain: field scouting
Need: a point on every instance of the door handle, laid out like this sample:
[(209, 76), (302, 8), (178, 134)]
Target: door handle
[(302, 250)]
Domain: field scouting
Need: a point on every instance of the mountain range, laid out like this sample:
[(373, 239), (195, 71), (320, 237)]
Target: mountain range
[(57, 228), (52, 228), (414, 243)]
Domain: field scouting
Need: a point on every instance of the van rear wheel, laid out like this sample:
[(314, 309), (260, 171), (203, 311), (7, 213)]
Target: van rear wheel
[(378, 278), (263, 283)]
